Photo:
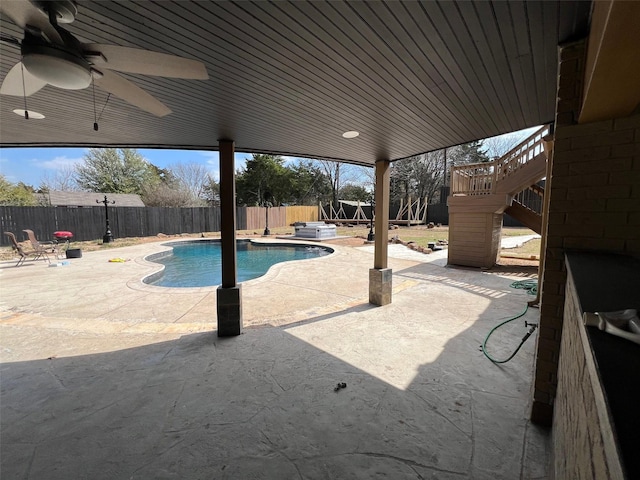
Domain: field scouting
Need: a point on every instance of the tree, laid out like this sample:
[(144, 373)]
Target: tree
[(63, 180), (211, 192), (364, 176), (417, 177), (163, 195), (263, 179), (355, 193), (181, 185), (193, 178), (15, 194), (467, 153), (495, 147), (308, 184), (339, 174), (110, 170)]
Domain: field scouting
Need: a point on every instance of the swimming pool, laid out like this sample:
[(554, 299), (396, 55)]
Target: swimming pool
[(199, 263)]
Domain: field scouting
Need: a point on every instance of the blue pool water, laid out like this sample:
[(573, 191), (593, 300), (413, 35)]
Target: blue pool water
[(199, 264)]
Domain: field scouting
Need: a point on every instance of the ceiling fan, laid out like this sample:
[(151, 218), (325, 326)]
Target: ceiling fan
[(53, 56)]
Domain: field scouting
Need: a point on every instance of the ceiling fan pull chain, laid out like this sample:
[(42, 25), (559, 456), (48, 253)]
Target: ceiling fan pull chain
[(24, 93), (103, 107), (95, 118)]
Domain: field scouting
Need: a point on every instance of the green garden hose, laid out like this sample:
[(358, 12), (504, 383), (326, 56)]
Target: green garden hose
[(531, 286), (532, 289)]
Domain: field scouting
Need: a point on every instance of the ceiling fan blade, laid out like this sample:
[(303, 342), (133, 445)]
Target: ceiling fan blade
[(12, 84), (23, 13), (131, 93), (144, 62)]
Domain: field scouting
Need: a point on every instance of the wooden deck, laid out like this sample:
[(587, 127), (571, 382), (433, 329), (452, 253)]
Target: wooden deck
[(482, 192)]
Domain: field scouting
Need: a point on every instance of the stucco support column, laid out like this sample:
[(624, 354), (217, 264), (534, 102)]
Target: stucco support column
[(229, 293), (380, 275)]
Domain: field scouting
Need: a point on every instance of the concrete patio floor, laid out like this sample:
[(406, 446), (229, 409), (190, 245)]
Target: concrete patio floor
[(103, 376)]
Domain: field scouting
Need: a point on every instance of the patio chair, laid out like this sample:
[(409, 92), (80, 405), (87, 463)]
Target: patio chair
[(41, 247), (16, 246)]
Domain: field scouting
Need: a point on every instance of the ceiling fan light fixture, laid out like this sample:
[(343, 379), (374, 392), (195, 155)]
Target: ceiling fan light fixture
[(56, 67), (32, 114)]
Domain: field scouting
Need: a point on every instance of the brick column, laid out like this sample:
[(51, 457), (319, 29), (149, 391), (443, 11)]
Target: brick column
[(594, 204), (229, 294), (569, 98), (380, 276)]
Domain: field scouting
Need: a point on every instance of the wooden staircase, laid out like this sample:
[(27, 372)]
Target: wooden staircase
[(526, 207), (482, 192)]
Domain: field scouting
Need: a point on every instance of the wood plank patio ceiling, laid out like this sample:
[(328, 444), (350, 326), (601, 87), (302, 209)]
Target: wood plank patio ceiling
[(291, 77)]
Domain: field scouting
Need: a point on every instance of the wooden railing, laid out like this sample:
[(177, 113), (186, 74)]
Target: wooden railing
[(473, 179), (481, 178), (531, 198), (517, 157)]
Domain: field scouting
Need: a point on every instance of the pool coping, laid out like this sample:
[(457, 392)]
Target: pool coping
[(140, 285)]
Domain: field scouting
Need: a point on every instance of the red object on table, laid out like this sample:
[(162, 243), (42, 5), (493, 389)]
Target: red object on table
[(63, 235)]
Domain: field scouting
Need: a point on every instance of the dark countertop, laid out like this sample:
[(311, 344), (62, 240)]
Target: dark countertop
[(605, 283)]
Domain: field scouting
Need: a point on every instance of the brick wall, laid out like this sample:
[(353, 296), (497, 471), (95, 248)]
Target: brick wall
[(578, 440), (594, 205)]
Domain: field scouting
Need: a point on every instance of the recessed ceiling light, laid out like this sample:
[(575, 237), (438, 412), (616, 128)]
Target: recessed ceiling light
[(32, 114), (350, 134)]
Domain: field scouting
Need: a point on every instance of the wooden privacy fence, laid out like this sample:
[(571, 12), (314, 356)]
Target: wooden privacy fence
[(89, 223), (301, 214), (255, 218)]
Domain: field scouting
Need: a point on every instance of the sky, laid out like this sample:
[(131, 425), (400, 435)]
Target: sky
[(33, 165)]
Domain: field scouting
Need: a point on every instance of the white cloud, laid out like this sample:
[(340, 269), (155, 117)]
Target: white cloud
[(57, 163), (10, 177), (212, 161), (211, 156)]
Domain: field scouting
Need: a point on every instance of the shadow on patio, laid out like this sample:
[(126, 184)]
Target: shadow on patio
[(421, 400)]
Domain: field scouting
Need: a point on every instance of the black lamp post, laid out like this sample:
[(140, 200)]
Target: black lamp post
[(108, 237), (267, 204), (371, 237)]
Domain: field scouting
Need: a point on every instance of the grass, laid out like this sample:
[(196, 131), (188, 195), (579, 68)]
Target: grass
[(532, 247), (419, 234), (516, 231)]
